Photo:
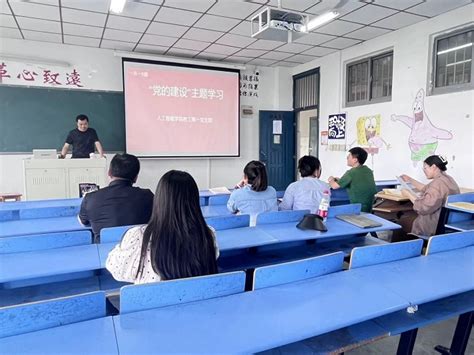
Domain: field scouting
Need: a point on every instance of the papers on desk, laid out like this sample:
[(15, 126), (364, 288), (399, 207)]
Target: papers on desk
[(464, 205), (220, 190), (394, 192), (407, 186)]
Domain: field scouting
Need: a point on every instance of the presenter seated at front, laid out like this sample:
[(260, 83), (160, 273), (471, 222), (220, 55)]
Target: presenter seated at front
[(359, 180), (305, 194), (83, 139), (252, 194), (176, 243), (120, 203), (432, 196)]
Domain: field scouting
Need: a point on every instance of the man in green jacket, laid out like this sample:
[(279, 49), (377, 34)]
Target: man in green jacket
[(359, 180)]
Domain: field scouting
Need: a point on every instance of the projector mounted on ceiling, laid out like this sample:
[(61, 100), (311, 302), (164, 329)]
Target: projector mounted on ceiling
[(278, 25), (286, 26)]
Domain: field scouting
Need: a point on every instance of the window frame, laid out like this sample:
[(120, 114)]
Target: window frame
[(434, 40), (369, 60)]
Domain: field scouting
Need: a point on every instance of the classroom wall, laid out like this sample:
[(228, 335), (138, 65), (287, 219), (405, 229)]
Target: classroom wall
[(101, 70), (453, 112)]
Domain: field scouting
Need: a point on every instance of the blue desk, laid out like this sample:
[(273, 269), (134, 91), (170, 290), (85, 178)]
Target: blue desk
[(229, 239), (51, 262), (461, 226), (426, 278), (40, 226), (104, 250), (457, 218), (40, 209), (215, 211), (258, 320), (95, 336), (287, 232), (241, 238)]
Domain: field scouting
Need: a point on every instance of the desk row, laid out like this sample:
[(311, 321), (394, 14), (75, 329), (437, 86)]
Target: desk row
[(319, 298)]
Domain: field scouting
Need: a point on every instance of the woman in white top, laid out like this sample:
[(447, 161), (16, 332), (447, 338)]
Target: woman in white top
[(175, 244), (306, 193)]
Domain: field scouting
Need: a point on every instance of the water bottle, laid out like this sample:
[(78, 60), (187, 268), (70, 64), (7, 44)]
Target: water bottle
[(324, 206)]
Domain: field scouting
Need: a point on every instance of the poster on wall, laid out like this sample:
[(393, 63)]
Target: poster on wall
[(337, 126), (337, 132), (324, 138), (249, 84)]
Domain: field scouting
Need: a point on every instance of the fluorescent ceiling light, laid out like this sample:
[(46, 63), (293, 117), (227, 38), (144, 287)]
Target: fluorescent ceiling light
[(321, 20), (455, 48), (117, 6)]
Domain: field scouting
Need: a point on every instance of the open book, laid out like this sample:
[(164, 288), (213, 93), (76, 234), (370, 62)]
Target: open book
[(220, 190), (407, 186)]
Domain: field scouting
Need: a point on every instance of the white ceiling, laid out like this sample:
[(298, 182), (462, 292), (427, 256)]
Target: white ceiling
[(208, 29)]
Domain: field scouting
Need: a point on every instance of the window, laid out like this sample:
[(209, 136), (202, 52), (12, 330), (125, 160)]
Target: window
[(452, 60), (306, 90), (369, 80)]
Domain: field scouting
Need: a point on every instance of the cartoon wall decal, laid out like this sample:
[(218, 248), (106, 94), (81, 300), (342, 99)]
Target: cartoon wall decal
[(369, 134), (424, 136)]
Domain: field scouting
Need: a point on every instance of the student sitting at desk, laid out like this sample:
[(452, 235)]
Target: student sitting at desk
[(120, 203), (433, 195), (252, 194), (176, 243), (359, 180), (306, 193)]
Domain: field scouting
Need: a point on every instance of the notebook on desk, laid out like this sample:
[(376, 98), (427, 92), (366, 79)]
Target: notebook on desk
[(359, 220)]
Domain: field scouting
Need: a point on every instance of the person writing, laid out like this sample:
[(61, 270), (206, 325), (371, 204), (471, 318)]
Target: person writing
[(305, 194), (84, 140), (176, 243), (120, 203), (359, 180), (432, 196)]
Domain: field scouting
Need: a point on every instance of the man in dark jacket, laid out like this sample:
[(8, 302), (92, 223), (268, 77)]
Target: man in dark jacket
[(119, 204)]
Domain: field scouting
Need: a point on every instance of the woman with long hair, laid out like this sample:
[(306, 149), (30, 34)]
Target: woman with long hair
[(432, 196), (176, 243), (253, 195)]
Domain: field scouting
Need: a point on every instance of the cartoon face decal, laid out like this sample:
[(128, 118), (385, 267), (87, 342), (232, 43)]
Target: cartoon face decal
[(368, 133), (370, 127), (418, 105)]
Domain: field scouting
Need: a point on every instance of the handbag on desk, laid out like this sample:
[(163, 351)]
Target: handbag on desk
[(312, 222)]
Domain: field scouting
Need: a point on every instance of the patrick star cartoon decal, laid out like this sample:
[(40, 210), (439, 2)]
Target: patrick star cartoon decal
[(424, 136)]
